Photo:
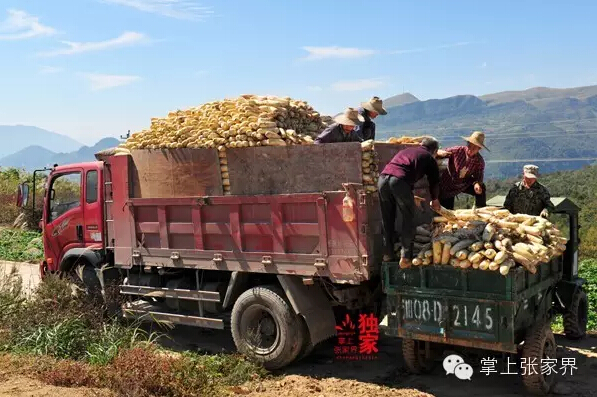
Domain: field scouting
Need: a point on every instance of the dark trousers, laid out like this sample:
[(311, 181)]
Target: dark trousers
[(396, 198), (480, 199)]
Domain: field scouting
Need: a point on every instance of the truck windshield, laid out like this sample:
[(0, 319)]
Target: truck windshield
[(67, 194)]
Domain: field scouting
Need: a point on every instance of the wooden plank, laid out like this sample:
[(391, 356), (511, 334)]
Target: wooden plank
[(180, 172), (293, 169)]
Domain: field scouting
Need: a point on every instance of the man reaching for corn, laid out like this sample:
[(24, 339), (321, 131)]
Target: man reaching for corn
[(396, 184), (529, 196), (343, 128), (465, 172)]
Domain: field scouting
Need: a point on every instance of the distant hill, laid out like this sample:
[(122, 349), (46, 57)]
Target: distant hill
[(539, 125), (18, 137), (36, 157), (401, 99)]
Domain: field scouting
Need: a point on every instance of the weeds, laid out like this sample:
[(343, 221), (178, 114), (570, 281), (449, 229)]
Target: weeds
[(20, 245), (67, 341)]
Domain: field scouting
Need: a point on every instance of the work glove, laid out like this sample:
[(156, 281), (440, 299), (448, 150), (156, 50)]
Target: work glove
[(544, 214)]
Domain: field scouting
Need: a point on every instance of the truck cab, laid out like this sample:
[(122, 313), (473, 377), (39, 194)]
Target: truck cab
[(72, 222)]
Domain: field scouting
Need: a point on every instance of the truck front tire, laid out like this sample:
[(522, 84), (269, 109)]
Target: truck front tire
[(265, 327)]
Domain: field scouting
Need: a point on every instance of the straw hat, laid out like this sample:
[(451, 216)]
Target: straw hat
[(477, 138), (350, 117), (374, 105)]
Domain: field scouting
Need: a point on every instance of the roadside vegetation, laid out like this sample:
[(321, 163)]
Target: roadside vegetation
[(63, 340)]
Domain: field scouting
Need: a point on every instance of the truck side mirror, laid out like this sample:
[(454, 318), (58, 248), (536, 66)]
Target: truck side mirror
[(22, 195)]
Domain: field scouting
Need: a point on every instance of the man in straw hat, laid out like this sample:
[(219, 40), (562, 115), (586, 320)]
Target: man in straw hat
[(396, 197), (343, 128), (465, 171), (529, 196), (370, 110)]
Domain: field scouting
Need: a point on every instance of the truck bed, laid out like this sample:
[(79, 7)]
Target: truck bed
[(166, 208), (468, 307)]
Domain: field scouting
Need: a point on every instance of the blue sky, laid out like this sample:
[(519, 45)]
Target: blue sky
[(96, 68)]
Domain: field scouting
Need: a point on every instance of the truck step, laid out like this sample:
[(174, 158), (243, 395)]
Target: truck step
[(144, 311), (158, 292)]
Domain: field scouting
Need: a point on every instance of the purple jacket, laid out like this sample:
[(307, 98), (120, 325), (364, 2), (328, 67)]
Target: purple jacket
[(412, 164)]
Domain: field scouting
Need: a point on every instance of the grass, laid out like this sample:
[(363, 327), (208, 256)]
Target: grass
[(20, 245), (587, 269), (66, 341)]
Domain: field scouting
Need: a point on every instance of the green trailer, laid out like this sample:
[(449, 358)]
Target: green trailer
[(430, 307)]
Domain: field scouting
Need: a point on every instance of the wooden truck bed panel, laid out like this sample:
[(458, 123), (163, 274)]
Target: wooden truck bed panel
[(293, 169)]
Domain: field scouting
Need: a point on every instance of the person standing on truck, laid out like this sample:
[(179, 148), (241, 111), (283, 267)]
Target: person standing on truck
[(396, 184), (529, 196), (343, 128), (466, 168), (370, 110)]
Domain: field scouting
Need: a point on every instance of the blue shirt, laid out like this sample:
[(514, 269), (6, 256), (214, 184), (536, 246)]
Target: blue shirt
[(335, 133), (366, 130)]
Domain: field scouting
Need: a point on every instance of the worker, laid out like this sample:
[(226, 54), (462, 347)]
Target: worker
[(343, 128), (529, 196), (396, 184), (465, 171), (369, 111)]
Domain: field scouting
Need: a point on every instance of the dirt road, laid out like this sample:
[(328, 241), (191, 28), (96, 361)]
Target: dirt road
[(321, 375)]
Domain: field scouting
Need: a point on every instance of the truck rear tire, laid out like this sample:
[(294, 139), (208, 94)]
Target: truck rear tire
[(415, 356), (575, 319), (265, 327), (539, 344)]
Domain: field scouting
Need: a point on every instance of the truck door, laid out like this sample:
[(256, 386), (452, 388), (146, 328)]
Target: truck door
[(93, 207), (65, 213)]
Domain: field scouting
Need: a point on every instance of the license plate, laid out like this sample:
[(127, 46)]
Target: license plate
[(450, 314)]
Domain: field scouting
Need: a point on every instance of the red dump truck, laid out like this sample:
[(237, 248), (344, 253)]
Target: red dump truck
[(271, 260)]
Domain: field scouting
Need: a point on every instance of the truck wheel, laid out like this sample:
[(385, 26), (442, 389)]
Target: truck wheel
[(539, 345), (415, 356), (575, 319), (307, 346), (265, 327)]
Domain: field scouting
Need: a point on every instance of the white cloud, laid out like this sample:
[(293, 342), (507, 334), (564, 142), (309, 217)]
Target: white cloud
[(358, 85), (74, 47), (104, 81), (178, 9), (316, 53), (314, 88), (19, 26), (423, 49), (50, 70)]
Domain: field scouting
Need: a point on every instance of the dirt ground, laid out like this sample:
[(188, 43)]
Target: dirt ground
[(321, 375)]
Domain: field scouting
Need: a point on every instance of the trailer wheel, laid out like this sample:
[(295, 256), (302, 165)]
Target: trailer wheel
[(539, 345), (265, 327), (575, 319), (415, 356)]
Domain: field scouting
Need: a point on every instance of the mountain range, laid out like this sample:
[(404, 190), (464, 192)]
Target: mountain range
[(554, 128), (37, 157)]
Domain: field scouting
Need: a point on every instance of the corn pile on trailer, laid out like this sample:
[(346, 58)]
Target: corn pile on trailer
[(269, 260), (436, 308)]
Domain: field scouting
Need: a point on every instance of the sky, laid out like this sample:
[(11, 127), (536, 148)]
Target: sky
[(91, 69)]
